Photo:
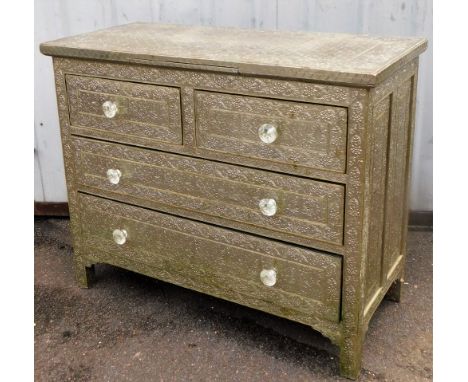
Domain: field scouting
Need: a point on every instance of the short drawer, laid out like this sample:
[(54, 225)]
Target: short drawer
[(262, 273), (294, 133), (124, 111), (252, 200)]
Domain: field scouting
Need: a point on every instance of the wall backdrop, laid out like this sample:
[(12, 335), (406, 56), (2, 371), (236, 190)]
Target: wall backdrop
[(60, 18)]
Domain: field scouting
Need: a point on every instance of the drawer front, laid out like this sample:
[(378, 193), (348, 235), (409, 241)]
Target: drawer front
[(148, 113), (308, 135), (213, 260), (216, 192)]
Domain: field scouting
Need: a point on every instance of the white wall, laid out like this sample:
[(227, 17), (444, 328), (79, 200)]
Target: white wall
[(59, 18)]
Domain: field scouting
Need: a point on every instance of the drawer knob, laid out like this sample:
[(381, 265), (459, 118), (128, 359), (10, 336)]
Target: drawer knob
[(268, 133), (110, 109), (120, 236), (113, 175), (268, 277), (268, 207)]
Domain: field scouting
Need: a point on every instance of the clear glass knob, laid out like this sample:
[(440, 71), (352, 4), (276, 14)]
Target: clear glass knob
[(113, 175), (120, 236), (110, 109), (268, 207), (268, 133), (268, 277)]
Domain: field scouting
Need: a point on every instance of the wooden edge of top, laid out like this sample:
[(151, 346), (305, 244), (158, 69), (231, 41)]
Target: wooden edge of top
[(326, 76)]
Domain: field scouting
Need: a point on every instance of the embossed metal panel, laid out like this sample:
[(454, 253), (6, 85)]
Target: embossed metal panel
[(171, 248), (174, 210), (148, 112), (361, 60), (305, 207), (396, 183), (381, 122), (309, 135)]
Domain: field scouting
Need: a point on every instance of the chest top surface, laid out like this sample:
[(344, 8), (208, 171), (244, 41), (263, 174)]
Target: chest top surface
[(359, 60)]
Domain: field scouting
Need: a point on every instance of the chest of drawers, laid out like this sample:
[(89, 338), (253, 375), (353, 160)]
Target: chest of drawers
[(270, 169)]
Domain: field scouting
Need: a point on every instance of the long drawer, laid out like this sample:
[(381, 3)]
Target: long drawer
[(269, 275), (228, 195), (295, 133), (124, 111)]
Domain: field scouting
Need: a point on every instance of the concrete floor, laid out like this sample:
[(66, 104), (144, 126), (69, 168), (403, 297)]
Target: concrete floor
[(128, 327)]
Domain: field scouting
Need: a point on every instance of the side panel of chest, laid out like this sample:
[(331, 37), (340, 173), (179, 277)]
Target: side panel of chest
[(392, 129)]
